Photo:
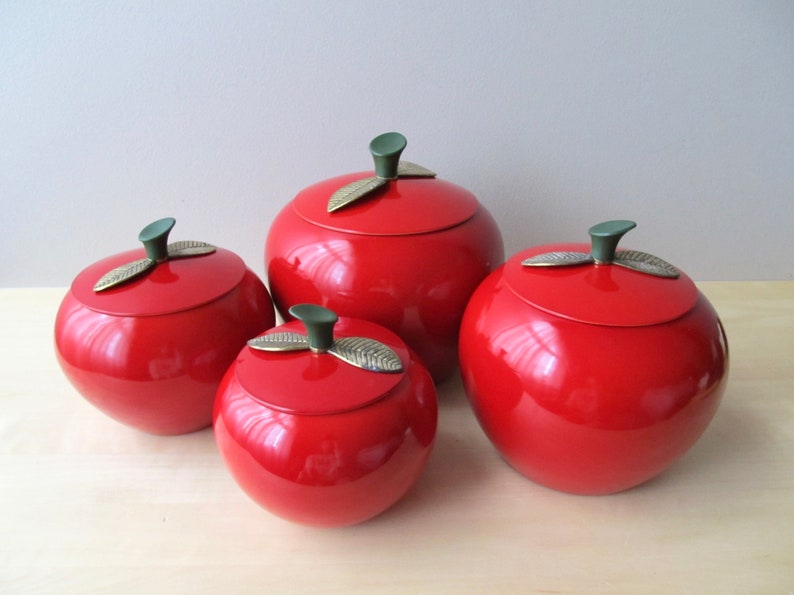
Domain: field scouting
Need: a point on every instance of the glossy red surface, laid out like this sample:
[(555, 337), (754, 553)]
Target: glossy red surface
[(332, 469), (587, 408), (417, 284), (159, 373)]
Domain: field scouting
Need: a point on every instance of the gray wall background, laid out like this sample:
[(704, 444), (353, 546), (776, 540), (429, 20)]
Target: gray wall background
[(557, 115)]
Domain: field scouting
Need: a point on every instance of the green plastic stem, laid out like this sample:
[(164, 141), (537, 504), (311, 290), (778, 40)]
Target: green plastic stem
[(155, 238), (319, 323), (604, 238), (386, 150)]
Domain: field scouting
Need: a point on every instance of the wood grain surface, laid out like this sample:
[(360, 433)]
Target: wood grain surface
[(90, 506)]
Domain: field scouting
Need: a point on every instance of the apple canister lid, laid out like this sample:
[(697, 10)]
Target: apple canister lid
[(160, 278), (599, 284), (320, 364), (398, 198)]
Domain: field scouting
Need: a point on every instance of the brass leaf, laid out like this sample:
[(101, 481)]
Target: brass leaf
[(367, 354), (186, 248), (406, 169), (354, 191), (557, 259), (123, 273), (280, 341), (645, 263)]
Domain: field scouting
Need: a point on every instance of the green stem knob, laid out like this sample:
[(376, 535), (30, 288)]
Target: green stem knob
[(155, 238), (605, 237), (386, 150), (319, 323)]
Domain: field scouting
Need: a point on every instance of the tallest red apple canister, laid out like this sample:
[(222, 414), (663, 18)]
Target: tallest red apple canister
[(396, 246)]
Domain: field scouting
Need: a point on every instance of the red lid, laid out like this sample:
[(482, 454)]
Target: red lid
[(303, 382), (173, 278), (604, 294), (405, 206), (398, 198)]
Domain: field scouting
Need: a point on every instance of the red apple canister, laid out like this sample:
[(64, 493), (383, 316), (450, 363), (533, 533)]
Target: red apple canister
[(146, 335), (592, 369), (396, 246), (326, 421)]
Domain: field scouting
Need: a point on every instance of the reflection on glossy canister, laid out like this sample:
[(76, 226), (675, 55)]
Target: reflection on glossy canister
[(326, 431), (147, 335), (592, 375), (396, 246)]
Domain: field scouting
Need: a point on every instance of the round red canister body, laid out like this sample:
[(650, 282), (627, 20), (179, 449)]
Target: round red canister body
[(591, 379), (151, 352), (406, 257), (317, 441)]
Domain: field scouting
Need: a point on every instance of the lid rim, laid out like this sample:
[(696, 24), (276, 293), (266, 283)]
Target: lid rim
[(605, 294), (138, 299), (320, 413), (382, 234), (407, 206), (601, 324), (308, 383), (158, 314)]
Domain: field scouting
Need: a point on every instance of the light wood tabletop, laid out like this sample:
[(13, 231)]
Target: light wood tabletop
[(89, 505)]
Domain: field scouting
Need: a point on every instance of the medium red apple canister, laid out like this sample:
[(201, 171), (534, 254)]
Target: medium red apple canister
[(326, 421), (146, 335), (396, 246), (592, 369)]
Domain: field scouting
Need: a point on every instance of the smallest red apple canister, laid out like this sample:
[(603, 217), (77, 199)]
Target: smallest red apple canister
[(590, 368), (326, 421), (396, 246), (146, 335)]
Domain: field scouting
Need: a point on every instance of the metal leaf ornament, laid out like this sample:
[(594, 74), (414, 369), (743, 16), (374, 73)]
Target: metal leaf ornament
[(558, 259), (361, 352), (354, 191), (154, 237), (123, 273), (605, 237), (646, 263), (366, 353), (386, 150), (188, 248), (281, 341)]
